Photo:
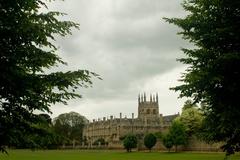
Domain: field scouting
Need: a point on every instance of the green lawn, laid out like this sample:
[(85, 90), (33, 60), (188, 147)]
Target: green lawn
[(108, 155)]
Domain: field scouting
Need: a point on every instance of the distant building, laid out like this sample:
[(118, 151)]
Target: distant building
[(111, 130)]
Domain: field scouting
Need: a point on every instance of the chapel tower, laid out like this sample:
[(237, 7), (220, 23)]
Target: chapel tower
[(148, 110)]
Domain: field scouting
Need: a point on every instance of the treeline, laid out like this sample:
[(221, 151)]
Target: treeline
[(174, 137), (66, 129), (183, 128)]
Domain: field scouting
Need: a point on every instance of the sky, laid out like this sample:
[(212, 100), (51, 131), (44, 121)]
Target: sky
[(130, 46)]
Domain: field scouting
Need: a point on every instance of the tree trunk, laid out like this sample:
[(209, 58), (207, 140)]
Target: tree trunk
[(73, 143), (175, 148)]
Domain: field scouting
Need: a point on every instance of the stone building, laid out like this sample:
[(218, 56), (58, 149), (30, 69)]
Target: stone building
[(111, 130)]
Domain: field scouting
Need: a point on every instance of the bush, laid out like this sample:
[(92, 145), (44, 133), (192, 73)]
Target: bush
[(130, 142), (100, 141), (150, 141), (168, 142)]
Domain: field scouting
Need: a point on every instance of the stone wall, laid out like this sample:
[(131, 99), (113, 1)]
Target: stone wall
[(112, 130)]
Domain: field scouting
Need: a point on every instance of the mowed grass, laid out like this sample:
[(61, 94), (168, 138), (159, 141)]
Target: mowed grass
[(108, 155)]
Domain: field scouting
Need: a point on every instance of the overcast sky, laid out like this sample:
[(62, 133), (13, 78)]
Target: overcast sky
[(133, 49)]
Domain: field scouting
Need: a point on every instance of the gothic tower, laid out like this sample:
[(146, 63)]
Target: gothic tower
[(148, 110)]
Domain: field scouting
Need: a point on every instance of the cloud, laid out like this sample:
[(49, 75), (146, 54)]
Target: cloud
[(126, 103), (129, 45)]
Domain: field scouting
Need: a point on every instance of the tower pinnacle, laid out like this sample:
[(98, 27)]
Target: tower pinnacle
[(157, 97)]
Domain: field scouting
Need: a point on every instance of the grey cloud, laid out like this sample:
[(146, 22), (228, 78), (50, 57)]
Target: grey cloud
[(127, 42), (143, 9)]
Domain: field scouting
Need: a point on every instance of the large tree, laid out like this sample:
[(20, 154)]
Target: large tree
[(49, 139), (70, 126), (178, 134), (213, 73), (27, 52), (192, 118)]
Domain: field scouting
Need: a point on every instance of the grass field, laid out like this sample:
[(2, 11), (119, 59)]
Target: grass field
[(108, 155)]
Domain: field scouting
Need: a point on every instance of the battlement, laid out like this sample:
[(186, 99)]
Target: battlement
[(112, 118)]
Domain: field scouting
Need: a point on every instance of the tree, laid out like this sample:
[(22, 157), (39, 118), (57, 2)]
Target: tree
[(178, 134), (50, 139), (192, 118), (70, 126), (150, 140), (46, 119), (27, 52), (167, 141), (130, 142), (213, 73), (189, 104), (99, 141), (158, 135)]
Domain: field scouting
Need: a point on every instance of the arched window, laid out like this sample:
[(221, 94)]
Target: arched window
[(148, 111), (154, 111)]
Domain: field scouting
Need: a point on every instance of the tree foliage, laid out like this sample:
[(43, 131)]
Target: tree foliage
[(167, 141), (213, 74), (99, 141), (158, 135), (189, 104), (177, 133), (130, 142), (150, 140), (50, 139), (27, 51), (192, 118), (70, 126)]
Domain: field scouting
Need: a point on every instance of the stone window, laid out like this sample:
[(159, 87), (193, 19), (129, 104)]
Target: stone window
[(148, 111), (154, 111)]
